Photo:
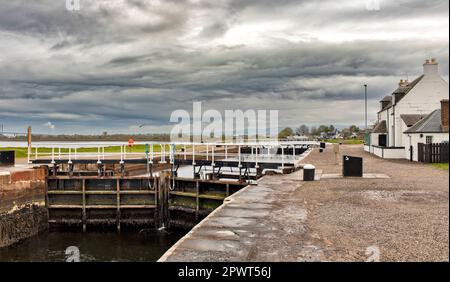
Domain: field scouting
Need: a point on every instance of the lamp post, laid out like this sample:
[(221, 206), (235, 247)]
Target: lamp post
[(365, 105)]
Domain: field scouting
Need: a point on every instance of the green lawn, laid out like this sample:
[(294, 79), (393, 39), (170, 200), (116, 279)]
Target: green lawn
[(443, 166), (346, 141), (23, 152)]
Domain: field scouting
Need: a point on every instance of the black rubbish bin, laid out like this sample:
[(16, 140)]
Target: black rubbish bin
[(309, 172), (352, 166), (323, 145), (7, 158)]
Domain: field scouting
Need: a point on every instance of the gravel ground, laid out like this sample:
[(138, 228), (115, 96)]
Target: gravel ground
[(405, 217)]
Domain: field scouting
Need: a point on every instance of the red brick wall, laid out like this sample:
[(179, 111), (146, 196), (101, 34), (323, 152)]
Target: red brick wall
[(444, 114), (37, 174)]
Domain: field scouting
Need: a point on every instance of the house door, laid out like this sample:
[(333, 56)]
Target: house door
[(382, 140)]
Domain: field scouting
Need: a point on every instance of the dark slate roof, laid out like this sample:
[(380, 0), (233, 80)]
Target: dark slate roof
[(401, 92), (386, 99), (387, 106), (380, 127), (410, 120), (432, 123)]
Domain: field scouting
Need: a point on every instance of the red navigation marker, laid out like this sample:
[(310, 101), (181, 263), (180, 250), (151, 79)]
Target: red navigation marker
[(130, 142)]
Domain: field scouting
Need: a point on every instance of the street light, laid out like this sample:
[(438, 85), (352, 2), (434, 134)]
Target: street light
[(365, 106)]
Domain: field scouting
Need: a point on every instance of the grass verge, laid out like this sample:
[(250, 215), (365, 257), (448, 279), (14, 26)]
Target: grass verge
[(346, 141), (23, 152), (443, 166)]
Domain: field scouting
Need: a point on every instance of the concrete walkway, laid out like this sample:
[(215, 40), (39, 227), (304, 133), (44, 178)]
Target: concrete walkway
[(259, 223)]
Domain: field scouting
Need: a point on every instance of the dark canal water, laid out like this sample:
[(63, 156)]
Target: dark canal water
[(147, 245)]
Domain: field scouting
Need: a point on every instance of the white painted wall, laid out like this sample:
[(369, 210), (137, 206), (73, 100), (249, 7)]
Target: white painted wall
[(415, 138), (374, 139), (377, 151), (383, 115), (387, 153), (367, 148), (424, 98), (394, 153), (404, 137)]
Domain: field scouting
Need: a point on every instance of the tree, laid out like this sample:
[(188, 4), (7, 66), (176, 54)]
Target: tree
[(354, 129), (302, 130), (285, 133), (323, 129), (331, 128), (313, 131)]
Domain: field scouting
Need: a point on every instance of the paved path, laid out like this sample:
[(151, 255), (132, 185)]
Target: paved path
[(401, 218)]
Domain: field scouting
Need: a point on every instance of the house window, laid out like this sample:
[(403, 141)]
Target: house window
[(429, 139)]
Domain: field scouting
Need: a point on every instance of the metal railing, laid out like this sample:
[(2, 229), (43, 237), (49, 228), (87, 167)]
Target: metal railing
[(166, 151)]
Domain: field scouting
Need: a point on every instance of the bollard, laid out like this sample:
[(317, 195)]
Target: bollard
[(7, 158), (309, 172), (352, 166)]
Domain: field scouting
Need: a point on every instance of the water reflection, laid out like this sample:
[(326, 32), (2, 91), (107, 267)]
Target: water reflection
[(147, 245)]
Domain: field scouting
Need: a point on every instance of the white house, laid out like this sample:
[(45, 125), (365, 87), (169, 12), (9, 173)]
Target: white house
[(410, 103), (431, 129)]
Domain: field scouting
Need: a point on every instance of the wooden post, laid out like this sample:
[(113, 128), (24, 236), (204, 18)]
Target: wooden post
[(47, 202), (163, 202), (29, 136), (29, 143), (118, 204), (336, 152), (197, 200), (156, 202), (83, 188)]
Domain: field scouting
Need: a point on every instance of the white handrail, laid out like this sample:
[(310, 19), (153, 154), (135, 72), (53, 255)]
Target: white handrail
[(75, 150)]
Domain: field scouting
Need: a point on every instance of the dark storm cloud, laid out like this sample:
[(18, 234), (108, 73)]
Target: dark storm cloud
[(126, 62), (98, 22)]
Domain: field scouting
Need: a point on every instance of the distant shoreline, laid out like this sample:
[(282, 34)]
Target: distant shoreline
[(86, 138), (24, 144)]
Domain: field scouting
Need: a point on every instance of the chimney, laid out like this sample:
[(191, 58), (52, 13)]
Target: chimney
[(403, 83), (444, 115), (430, 67)]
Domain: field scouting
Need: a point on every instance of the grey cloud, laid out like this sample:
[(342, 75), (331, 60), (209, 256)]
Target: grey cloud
[(215, 29), (95, 23), (96, 67)]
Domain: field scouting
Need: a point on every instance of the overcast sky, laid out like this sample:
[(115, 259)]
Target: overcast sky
[(114, 65)]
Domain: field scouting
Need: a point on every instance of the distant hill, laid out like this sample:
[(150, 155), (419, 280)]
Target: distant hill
[(77, 137)]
